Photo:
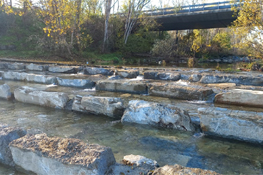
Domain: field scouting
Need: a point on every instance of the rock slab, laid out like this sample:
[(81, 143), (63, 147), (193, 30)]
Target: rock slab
[(149, 113), (127, 73), (96, 70), (15, 66), (127, 86), (35, 67), (184, 92), (7, 135), (5, 91), (79, 83), (49, 99), (109, 106), (44, 79), (232, 78), (173, 76), (233, 124), (63, 69), (57, 156), (241, 97)]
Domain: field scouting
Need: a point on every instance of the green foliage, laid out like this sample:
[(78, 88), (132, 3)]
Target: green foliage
[(137, 43), (248, 27), (221, 43)]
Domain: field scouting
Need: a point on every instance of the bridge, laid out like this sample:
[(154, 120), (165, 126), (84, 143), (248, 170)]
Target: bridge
[(200, 16)]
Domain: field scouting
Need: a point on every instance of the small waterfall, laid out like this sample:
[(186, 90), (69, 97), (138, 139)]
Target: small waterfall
[(90, 90), (51, 85), (139, 77), (182, 82)]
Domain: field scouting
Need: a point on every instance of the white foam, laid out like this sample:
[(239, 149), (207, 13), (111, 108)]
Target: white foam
[(182, 82), (137, 78), (52, 85), (90, 90)]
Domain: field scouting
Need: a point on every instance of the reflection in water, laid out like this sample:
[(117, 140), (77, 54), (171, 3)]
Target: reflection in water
[(165, 146)]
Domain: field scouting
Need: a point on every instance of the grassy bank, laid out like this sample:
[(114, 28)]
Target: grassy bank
[(90, 57)]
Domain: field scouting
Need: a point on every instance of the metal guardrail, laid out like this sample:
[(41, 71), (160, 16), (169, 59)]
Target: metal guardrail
[(191, 8)]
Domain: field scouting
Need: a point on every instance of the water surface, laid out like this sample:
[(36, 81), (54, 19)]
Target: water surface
[(165, 146)]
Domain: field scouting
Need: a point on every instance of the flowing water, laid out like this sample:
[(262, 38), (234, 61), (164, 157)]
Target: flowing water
[(163, 145)]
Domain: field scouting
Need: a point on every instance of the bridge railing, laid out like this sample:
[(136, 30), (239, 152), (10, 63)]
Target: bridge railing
[(192, 8)]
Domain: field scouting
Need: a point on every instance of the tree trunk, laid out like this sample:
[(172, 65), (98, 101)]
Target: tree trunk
[(106, 29)]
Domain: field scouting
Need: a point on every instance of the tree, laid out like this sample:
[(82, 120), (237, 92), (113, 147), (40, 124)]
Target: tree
[(107, 16), (248, 27), (197, 41), (134, 10)]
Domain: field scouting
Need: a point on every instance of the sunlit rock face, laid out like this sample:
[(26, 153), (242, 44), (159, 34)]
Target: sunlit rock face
[(57, 156), (5, 91), (179, 91), (49, 99), (109, 106), (7, 135), (22, 76), (233, 124), (35, 67), (241, 97), (149, 113)]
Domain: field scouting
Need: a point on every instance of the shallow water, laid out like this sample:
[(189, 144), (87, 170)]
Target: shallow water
[(165, 146)]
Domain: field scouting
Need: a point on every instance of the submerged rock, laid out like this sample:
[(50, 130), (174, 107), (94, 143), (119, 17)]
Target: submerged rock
[(7, 135), (233, 124), (5, 91), (127, 73), (178, 169), (79, 83), (133, 165), (49, 99), (185, 92), (57, 156), (149, 113), (139, 160), (96, 70), (109, 106), (63, 69), (241, 97), (174, 76), (128, 86), (45, 79)]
